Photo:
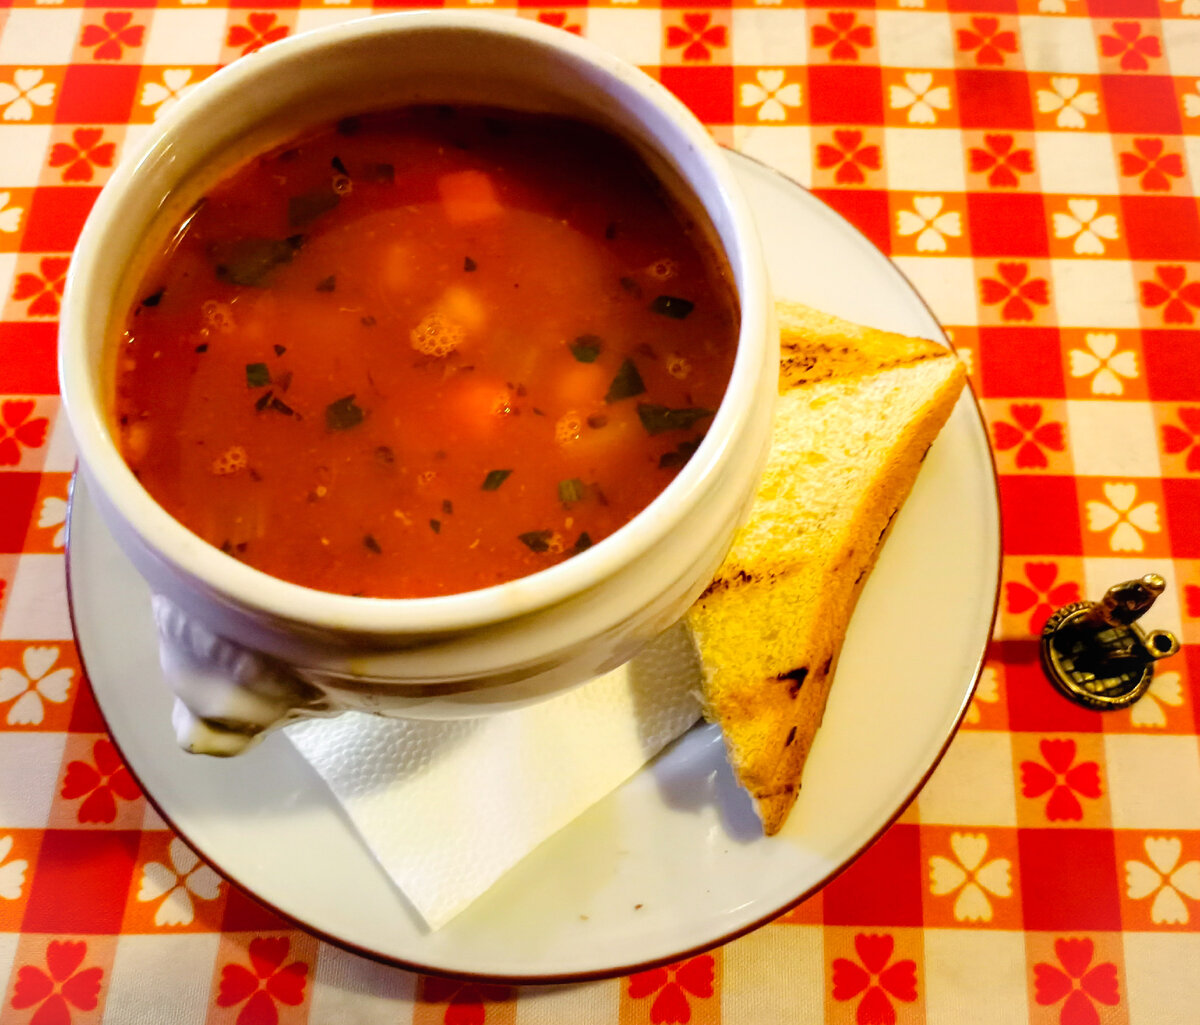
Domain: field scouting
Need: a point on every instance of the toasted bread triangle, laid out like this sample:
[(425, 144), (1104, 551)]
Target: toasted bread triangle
[(857, 411)]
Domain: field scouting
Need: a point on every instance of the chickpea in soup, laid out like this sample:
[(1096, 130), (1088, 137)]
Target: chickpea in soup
[(424, 352)]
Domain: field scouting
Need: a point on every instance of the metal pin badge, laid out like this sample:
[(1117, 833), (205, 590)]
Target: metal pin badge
[(1095, 655)]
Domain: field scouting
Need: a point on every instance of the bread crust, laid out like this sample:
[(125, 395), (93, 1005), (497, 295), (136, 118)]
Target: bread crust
[(858, 409)]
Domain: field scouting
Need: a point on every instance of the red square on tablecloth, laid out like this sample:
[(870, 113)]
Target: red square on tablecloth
[(708, 92), (994, 99), (983, 6), (1172, 366), (85, 716), (866, 209), (1021, 361), (1123, 8), (1007, 224), (1141, 103), (28, 361), (97, 94), (81, 881), (1181, 496), (1040, 515), (868, 4), (1068, 879), (845, 95), (17, 492), (245, 914), (883, 887), (1161, 227), (1034, 705), (56, 217)]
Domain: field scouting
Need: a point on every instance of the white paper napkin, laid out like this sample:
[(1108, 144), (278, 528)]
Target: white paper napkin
[(449, 807)]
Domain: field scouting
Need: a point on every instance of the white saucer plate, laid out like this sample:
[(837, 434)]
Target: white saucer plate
[(674, 861)]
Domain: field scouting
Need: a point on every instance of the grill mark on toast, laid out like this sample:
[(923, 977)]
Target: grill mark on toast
[(796, 678), (741, 578)]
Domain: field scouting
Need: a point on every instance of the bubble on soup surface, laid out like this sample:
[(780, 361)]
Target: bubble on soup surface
[(663, 270), (436, 335), (230, 461), (678, 366), (218, 316), (569, 428)]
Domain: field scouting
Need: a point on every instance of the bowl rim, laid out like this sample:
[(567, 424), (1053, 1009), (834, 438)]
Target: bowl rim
[(263, 595)]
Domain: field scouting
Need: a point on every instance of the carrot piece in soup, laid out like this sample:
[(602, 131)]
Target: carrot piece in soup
[(468, 196)]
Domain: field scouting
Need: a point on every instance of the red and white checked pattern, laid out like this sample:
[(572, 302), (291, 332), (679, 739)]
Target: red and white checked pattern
[(1032, 166)]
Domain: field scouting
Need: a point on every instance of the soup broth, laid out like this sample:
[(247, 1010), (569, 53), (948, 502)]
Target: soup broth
[(424, 352)]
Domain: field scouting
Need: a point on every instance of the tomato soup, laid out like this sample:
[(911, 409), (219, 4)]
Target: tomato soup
[(424, 352)]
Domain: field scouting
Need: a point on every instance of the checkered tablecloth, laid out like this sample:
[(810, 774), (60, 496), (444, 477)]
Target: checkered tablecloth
[(1032, 166)]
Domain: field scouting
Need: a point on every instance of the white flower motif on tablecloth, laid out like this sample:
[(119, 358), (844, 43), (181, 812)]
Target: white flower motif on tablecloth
[(929, 223), (182, 880), (24, 92), (971, 876), (1165, 878), (10, 216), (162, 96), (54, 514), (1189, 8), (39, 682), (12, 873), (987, 692), (1074, 107), (1085, 227), (1107, 366), (1124, 515), (1191, 101), (771, 94), (920, 97), (1165, 689)]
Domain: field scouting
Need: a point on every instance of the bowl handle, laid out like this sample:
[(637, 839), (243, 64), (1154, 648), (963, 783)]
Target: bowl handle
[(226, 696)]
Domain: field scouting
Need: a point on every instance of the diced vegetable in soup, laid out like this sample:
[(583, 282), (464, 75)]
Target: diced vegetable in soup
[(424, 352)]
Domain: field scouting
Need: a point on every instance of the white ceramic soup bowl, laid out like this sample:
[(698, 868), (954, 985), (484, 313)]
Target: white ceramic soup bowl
[(244, 651)]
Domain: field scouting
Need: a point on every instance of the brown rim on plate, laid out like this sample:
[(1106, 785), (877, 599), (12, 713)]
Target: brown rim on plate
[(623, 969)]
